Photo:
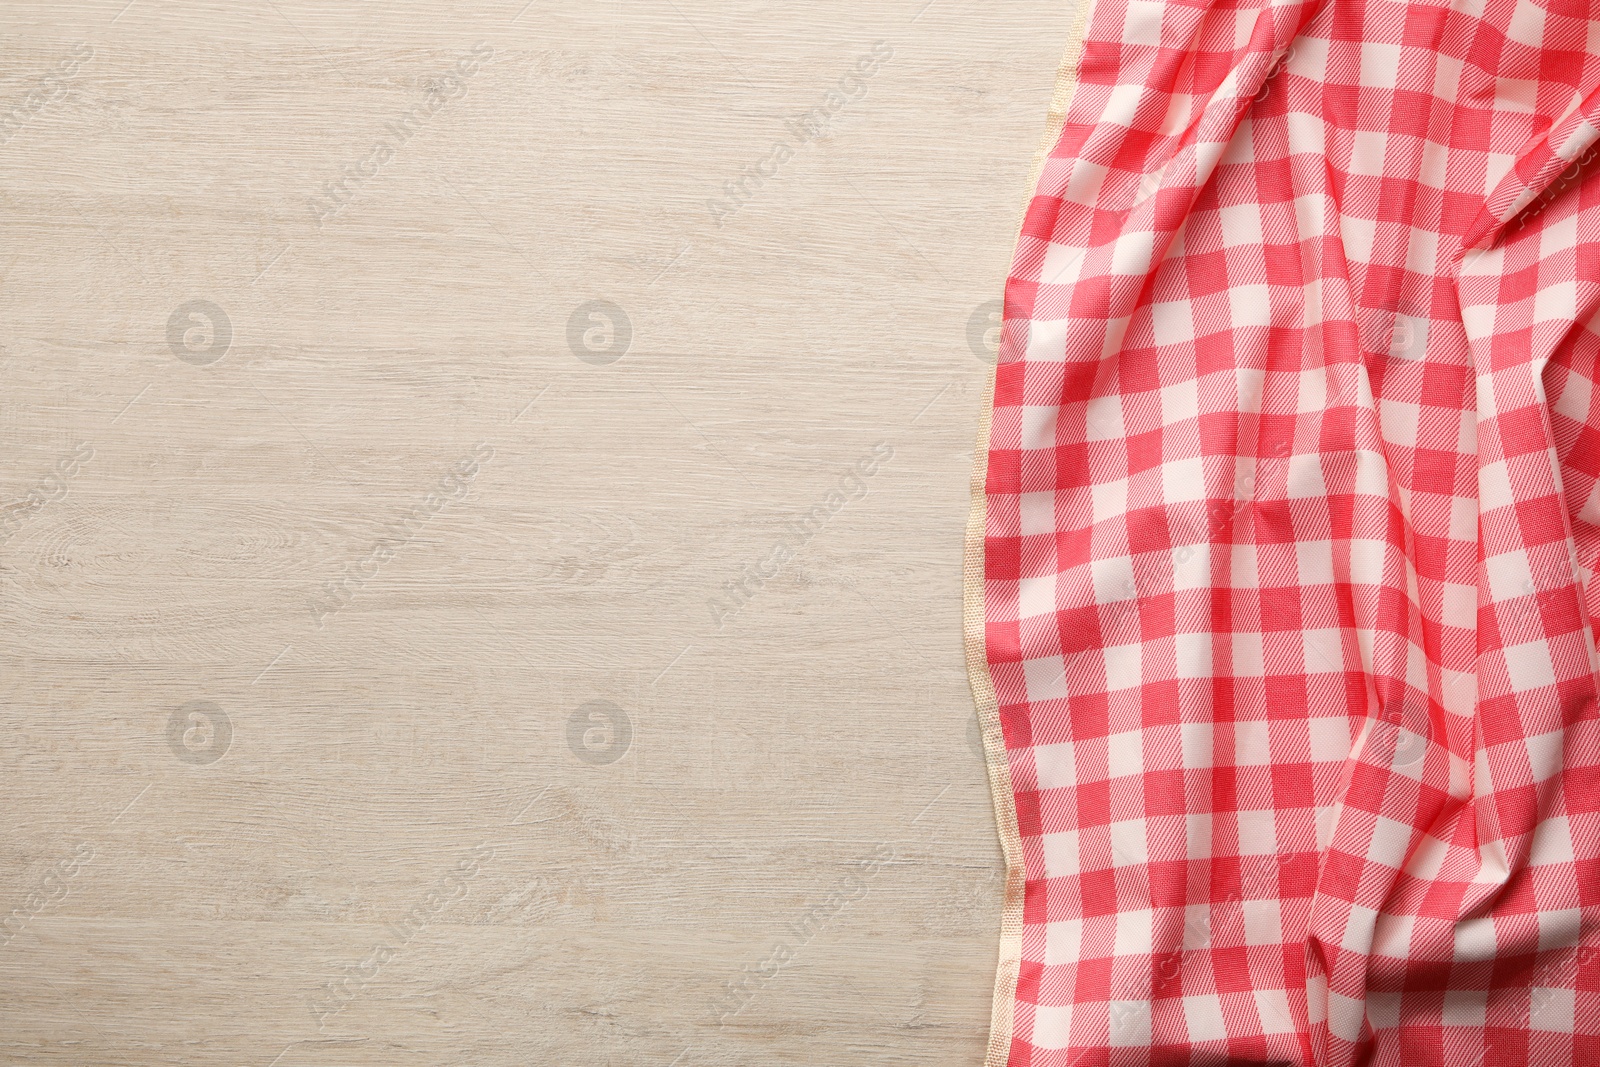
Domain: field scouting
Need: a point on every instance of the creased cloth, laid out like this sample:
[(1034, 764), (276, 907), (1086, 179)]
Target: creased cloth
[(1293, 510)]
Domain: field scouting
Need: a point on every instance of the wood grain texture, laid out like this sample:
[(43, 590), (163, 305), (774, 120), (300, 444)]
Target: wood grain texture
[(322, 600)]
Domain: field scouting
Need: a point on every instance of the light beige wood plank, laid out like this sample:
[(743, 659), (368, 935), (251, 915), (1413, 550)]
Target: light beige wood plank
[(401, 776)]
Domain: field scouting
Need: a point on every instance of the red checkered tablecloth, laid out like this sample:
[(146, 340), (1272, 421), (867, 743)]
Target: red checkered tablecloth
[(1293, 512)]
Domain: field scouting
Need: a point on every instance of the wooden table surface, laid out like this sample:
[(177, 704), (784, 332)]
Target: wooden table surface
[(483, 490)]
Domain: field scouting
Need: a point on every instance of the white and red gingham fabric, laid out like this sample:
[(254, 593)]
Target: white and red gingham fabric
[(1293, 516)]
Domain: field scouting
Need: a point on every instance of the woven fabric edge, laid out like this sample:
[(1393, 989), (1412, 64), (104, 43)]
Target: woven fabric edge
[(1007, 970)]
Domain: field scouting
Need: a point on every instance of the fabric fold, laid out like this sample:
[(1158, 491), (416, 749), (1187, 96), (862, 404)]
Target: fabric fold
[(1291, 525)]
